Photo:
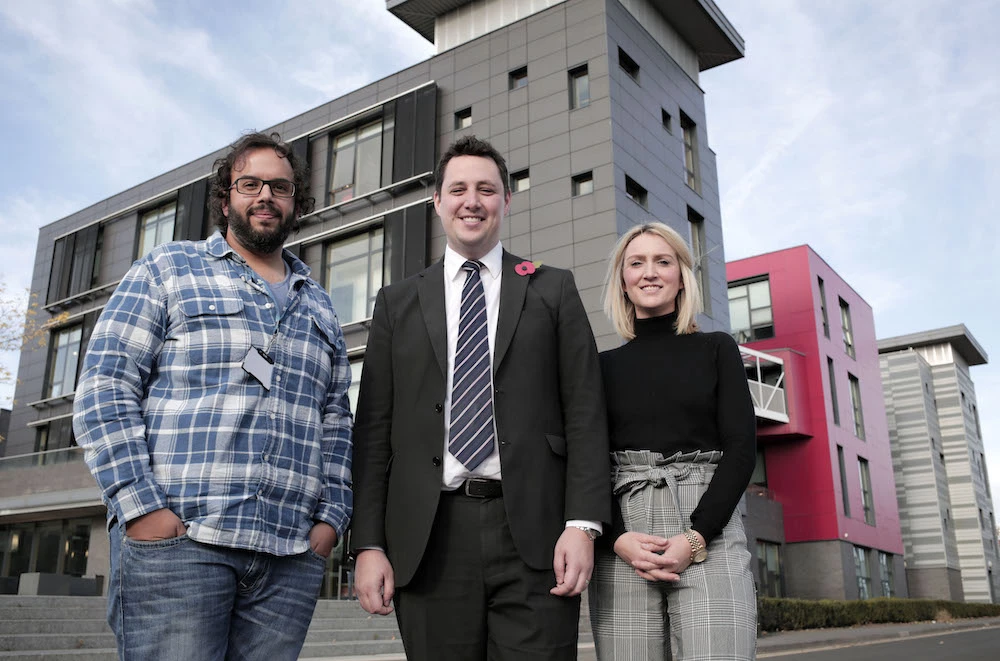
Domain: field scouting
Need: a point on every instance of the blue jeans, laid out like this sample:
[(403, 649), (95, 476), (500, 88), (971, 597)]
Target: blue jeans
[(179, 600)]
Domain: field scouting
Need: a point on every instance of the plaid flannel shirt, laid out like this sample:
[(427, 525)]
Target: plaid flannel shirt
[(169, 418)]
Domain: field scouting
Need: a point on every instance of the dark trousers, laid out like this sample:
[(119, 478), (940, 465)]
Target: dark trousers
[(474, 598)]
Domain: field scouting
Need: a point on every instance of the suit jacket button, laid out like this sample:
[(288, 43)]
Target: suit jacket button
[(436, 461), (438, 408)]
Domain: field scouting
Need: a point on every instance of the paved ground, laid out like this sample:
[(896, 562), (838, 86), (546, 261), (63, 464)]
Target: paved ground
[(776, 644)]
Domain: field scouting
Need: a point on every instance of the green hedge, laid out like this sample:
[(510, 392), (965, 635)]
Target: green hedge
[(790, 614)]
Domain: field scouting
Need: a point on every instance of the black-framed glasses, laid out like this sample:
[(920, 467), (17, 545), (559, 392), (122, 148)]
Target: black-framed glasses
[(253, 186)]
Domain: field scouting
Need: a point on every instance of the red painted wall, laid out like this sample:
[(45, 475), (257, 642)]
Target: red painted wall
[(801, 457)]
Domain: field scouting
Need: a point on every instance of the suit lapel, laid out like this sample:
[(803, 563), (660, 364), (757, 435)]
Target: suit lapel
[(513, 288), (430, 289)]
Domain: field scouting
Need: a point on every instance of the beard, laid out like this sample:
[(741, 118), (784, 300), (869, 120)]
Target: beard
[(262, 242)]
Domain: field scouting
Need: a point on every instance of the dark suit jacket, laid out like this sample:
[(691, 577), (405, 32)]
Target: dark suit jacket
[(548, 403)]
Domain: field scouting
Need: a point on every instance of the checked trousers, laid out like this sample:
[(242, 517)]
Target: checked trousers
[(711, 613)]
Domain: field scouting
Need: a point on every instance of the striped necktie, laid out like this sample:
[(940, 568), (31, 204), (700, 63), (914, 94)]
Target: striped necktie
[(470, 437)]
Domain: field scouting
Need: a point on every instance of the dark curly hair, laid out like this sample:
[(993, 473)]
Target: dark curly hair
[(222, 179), (470, 145)]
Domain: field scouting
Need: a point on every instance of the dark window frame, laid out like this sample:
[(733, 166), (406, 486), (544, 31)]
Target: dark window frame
[(636, 192), (580, 181), (461, 117), (628, 65), (517, 78), (579, 98)]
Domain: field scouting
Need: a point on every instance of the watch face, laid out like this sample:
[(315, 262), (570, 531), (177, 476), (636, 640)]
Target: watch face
[(700, 556)]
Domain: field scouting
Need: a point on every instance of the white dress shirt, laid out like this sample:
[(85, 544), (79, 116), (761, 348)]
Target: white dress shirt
[(455, 471), (490, 274)]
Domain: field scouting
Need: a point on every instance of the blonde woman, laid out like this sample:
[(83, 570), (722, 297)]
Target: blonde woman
[(683, 434)]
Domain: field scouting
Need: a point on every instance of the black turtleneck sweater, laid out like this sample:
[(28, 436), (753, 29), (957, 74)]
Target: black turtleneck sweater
[(670, 393)]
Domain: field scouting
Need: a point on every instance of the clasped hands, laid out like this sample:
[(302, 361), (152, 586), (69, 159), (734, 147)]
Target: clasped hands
[(655, 558)]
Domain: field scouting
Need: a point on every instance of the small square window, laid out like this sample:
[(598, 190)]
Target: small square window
[(628, 65), (668, 122), (583, 184), (635, 192), (463, 119), (517, 78), (519, 181), (579, 88)]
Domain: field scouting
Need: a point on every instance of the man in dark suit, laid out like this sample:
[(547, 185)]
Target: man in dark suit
[(481, 471)]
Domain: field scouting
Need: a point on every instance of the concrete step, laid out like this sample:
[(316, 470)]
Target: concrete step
[(351, 648), (343, 635), (56, 641), (74, 629), (41, 626), (58, 613), (65, 655)]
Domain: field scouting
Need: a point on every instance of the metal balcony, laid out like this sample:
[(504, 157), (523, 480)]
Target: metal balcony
[(765, 376)]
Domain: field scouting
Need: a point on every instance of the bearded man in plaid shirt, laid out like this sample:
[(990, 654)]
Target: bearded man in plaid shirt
[(213, 408)]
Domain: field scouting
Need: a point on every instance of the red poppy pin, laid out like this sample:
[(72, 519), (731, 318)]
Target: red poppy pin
[(526, 267)]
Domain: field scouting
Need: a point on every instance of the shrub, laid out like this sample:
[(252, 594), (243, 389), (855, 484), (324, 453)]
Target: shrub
[(791, 614)]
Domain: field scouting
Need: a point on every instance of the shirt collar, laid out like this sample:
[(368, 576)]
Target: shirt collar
[(492, 261), (218, 247)]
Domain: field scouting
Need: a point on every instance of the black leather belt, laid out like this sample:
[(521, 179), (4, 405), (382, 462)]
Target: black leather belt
[(478, 488)]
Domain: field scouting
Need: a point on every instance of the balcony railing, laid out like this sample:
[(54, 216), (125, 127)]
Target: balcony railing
[(768, 396), (46, 458)]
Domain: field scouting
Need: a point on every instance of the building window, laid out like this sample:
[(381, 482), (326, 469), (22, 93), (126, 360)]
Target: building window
[(832, 375), (769, 569), (354, 274), (628, 65), (699, 250), (463, 119), (690, 131), (517, 78), (579, 88), (985, 475), (64, 357), (759, 476), (155, 227), (357, 366), (867, 499), (356, 162), (822, 307), (75, 263), (750, 311), (583, 184), (668, 121), (520, 181), (844, 494), (863, 572), (859, 417), (885, 574), (53, 547), (635, 192), (845, 323), (56, 435)]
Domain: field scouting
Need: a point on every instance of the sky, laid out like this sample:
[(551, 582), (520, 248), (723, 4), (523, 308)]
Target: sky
[(868, 130)]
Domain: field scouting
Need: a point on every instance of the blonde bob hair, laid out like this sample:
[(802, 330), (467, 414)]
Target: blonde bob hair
[(621, 310)]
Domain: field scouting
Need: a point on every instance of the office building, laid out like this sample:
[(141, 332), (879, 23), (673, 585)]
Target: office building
[(822, 511), (596, 105), (942, 485)]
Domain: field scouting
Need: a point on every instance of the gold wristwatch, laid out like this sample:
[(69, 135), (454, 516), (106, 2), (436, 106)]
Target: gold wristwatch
[(698, 551)]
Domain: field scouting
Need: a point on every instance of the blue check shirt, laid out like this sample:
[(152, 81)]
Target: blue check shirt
[(169, 418)]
